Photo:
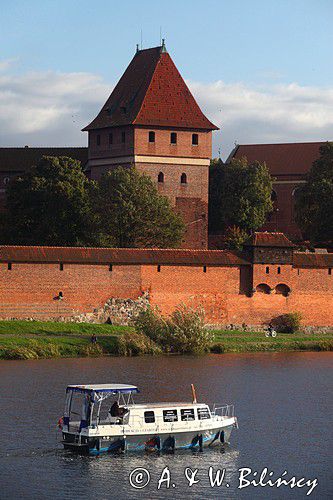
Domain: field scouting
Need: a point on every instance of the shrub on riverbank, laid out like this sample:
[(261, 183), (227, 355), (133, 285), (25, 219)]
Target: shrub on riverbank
[(288, 323), (183, 332)]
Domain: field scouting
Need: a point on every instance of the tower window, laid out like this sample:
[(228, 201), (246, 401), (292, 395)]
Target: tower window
[(173, 138), (279, 270), (204, 269), (98, 140), (267, 270), (158, 268), (110, 138), (160, 177), (151, 136), (183, 178), (9, 266), (61, 266), (195, 139), (330, 271), (123, 136)]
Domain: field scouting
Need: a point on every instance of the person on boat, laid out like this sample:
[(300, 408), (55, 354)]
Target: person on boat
[(115, 410)]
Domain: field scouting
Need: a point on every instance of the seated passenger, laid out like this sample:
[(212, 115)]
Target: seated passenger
[(115, 410)]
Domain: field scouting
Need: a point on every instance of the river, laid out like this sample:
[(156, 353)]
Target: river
[(283, 402)]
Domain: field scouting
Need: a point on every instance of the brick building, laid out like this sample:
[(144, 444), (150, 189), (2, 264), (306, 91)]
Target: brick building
[(288, 164), (152, 121), (269, 279)]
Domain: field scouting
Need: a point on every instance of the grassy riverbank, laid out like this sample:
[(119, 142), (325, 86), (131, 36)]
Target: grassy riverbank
[(34, 339)]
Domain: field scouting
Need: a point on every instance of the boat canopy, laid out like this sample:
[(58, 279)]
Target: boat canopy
[(103, 388)]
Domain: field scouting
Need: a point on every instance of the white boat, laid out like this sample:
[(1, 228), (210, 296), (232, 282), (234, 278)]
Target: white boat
[(96, 428)]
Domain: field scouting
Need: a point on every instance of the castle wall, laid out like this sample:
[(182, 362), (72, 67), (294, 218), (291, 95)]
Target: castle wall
[(32, 290)]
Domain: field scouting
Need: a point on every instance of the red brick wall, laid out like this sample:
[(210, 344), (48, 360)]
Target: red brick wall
[(117, 148), (163, 147), (28, 290), (283, 217)]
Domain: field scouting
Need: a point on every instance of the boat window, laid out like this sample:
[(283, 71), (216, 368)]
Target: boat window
[(203, 413), (187, 414), (149, 417), (170, 415)]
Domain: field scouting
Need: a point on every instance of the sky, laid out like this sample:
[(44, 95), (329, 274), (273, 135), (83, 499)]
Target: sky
[(260, 69)]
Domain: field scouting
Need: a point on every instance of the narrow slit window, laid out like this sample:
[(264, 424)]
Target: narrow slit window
[(267, 270), (204, 269), (183, 178), (173, 138), (98, 140), (9, 266), (330, 271), (151, 136), (110, 268), (158, 268), (279, 270), (195, 139), (160, 177), (61, 266)]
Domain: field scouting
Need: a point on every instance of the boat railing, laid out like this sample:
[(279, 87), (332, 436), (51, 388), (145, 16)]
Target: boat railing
[(223, 411)]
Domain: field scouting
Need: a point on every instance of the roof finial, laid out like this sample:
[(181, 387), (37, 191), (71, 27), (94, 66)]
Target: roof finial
[(163, 48), (137, 48)]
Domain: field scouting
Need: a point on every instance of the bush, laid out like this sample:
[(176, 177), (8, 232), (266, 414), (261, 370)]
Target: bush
[(134, 344), (287, 323), (183, 332)]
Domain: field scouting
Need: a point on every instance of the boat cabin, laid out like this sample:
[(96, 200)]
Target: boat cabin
[(94, 406)]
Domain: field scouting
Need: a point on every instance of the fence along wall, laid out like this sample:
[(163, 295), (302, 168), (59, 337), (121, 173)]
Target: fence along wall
[(46, 290)]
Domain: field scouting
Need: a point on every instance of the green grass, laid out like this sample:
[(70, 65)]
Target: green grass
[(240, 341), (37, 339)]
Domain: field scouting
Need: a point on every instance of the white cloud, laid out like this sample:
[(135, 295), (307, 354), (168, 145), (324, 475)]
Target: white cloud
[(270, 113), (50, 108)]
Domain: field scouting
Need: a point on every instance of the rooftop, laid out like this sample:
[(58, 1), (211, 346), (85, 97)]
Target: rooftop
[(281, 159), (86, 255), (266, 239), (22, 159), (111, 388), (151, 92)]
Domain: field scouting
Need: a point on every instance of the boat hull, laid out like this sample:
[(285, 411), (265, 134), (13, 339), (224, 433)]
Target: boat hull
[(167, 442)]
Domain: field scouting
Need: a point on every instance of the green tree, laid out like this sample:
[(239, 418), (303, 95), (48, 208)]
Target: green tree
[(50, 205), (314, 200), (133, 214), (239, 195)]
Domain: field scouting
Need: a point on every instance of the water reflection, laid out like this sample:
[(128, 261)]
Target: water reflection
[(282, 401)]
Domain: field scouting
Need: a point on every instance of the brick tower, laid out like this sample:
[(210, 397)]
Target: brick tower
[(152, 121)]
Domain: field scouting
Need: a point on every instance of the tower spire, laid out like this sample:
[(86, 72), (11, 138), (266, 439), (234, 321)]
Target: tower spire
[(163, 47)]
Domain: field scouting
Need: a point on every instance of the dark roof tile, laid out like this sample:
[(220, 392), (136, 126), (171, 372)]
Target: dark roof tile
[(119, 256), (22, 159), (151, 92), (266, 239), (312, 260), (281, 159)]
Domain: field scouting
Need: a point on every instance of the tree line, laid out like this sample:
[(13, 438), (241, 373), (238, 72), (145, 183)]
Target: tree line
[(54, 203)]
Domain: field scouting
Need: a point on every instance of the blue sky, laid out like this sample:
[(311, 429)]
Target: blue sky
[(271, 55)]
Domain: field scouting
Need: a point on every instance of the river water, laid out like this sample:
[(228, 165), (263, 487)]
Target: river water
[(283, 402)]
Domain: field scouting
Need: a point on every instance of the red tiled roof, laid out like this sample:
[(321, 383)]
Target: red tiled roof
[(281, 159), (151, 92), (119, 256), (265, 239), (307, 259), (22, 159)]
